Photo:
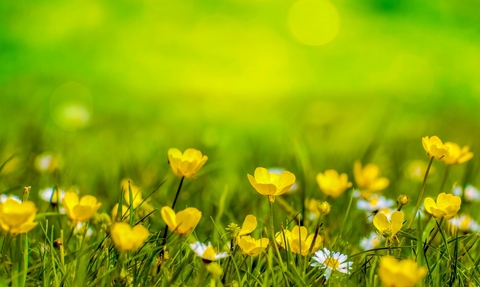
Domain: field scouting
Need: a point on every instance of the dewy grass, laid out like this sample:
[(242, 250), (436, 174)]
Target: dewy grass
[(203, 247)]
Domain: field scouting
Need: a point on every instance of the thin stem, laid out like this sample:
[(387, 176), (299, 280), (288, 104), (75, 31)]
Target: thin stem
[(272, 234), (178, 192), (315, 235), (445, 176), (165, 231), (425, 248), (419, 201)]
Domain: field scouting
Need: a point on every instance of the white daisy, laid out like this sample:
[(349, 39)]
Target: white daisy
[(375, 203), (80, 229), (370, 242), (331, 261), (472, 193), (50, 194), (206, 252), (465, 223)]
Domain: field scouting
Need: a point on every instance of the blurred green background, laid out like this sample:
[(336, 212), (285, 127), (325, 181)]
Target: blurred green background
[(108, 86)]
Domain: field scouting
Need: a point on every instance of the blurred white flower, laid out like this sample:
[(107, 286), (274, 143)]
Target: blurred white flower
[(370, 242), (374, 203), (331, 261)]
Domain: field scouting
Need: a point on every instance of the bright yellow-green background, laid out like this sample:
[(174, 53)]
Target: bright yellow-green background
[(236, 79)]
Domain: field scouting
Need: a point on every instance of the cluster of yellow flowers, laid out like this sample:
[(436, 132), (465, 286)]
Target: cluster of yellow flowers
[(18, 217)]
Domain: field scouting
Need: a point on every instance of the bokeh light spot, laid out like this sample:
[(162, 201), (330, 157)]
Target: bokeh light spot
[(314, 22), (71, 106)]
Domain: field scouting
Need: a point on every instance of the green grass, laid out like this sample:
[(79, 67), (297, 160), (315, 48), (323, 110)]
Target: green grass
[(222, 192)]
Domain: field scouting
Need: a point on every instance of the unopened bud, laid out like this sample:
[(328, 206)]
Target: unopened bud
[(403, 200), (324, 208)]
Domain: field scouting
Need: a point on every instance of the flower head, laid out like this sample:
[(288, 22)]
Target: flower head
[(138, 201), (52, 195), (416, 170), (278, 170), (125, 213), (464, 223), (271, 184), (333, 184), (370, 242), (368, 178), (17, 217), (298, 240), (447, 205), (207, 252), (80, 210), (387, 228), (374, 203), (456, 154), (186, 164), (331, 261), (404, 273), (127, 238), (183, 222), (249, 245), (434, 147)]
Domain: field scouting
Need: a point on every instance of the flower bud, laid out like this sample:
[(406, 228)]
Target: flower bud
[(324, 208), (403, 200)]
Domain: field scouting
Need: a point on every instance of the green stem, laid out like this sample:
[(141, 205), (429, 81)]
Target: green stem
[(272, 234), (425, 248), (445, 176), (178, 192), (315, 235), (165, 231), (420, 197)]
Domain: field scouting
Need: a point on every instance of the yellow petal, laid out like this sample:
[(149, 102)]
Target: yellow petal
[(397, 221), (249, 225), (429, 204), (381, 222), (168, 215)]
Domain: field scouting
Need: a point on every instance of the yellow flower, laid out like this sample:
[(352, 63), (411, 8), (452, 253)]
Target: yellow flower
[(456, 155), (249, 245), (183, 222), (17, 217), (298, 240), (271, 184), (80, 211), (447, 205), (404, 273), (312, 205), (368, 178), (249, 225), (387, 228), (127, 238), (416, 170), (136, 195), (434, 147), (186, 164), (333, 184), (324, 207), (125, 213)]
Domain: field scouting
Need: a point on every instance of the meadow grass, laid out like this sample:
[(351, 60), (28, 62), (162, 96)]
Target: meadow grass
[(54, 254)]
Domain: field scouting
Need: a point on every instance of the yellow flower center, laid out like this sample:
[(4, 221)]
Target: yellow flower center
[(332, 263), (374, 201)]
